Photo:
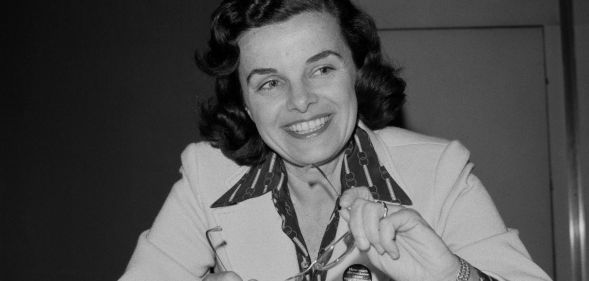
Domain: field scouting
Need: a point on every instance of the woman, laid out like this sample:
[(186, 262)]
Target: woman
[(298, 154)]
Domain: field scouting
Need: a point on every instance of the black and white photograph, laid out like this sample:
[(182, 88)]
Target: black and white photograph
[(295, 140)]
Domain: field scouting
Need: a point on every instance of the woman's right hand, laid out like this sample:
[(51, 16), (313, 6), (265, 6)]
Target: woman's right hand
[(224, 276), (397, 239)]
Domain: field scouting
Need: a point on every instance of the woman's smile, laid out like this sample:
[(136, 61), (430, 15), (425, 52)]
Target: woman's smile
[(308, 128)]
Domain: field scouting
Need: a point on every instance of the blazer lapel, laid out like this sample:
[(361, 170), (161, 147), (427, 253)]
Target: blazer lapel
[(252, 242)]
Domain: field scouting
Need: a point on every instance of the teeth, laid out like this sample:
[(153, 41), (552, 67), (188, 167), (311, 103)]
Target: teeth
[(308, 126)]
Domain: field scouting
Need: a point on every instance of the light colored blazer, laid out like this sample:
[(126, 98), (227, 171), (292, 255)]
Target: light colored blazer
[(436, 175)]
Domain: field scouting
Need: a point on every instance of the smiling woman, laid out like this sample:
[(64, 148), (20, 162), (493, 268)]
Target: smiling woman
[(301, 179), (300, 91)]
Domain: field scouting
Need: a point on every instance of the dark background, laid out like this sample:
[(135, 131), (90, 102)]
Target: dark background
[(100, 100)]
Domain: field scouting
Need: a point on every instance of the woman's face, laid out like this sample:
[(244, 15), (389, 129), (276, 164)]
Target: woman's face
[(297, 79)]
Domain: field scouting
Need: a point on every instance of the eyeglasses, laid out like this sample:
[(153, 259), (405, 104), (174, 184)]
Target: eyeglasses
[(324, 261)]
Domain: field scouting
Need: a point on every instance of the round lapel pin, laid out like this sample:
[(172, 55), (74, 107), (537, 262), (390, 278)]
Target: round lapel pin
[(357, 272)]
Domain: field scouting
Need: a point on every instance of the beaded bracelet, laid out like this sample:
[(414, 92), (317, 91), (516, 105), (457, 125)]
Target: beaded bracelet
[(464, 273)]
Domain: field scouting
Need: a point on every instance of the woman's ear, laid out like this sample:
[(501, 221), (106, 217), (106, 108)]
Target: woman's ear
[(248, 112)]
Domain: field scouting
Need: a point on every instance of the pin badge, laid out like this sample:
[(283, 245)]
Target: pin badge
[(357, 272)]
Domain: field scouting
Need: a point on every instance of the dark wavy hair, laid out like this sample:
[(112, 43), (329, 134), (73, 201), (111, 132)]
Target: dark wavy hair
[(224, 121)]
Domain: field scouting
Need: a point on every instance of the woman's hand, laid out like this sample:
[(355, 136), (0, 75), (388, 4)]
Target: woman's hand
[(224, 276), (402, 244)]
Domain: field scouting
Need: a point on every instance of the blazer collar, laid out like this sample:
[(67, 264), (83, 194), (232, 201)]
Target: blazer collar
[(361, 167)]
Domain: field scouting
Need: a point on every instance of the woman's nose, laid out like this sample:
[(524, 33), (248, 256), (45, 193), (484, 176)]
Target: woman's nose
[(300, 98)]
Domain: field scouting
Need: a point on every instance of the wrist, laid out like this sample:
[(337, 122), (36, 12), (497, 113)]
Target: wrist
[(450, 271)]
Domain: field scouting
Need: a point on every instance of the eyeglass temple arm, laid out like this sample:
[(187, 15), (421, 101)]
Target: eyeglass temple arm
[(217, 259)]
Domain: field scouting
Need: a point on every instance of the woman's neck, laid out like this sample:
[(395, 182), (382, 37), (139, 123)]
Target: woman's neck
[(309, 186)]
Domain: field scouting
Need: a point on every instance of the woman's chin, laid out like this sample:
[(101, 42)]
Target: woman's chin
[(318, 157)]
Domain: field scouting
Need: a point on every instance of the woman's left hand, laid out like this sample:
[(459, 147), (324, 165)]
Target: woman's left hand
[(400, 244)]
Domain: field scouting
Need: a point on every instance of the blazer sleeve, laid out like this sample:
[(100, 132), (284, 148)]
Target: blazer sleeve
[(175, 248), (471, 225)]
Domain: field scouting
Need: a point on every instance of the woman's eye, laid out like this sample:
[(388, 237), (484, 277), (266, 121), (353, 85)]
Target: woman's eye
[(269, 85), (323, 70)]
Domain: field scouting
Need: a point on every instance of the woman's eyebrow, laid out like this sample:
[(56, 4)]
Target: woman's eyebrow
[(260, 71), (322, 55)]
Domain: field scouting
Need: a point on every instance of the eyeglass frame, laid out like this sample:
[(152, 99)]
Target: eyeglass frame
[(314, 265), (213, 248), (331, 247), (327, 252)]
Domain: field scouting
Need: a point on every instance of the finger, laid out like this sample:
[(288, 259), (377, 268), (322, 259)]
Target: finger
[(400, 221), (345, 214), (352, 194), (387, 236), (372, 214), (357, 226), (404, 219)]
